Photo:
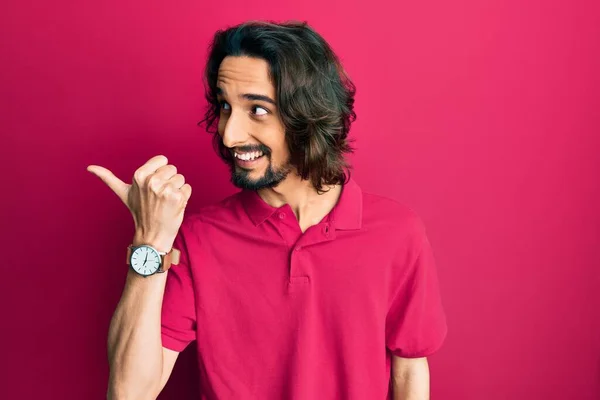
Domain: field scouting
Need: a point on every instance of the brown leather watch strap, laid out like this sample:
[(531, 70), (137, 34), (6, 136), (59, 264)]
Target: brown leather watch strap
[(171, 258)]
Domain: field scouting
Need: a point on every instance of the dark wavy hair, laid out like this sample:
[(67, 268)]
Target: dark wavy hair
[(314, 95)]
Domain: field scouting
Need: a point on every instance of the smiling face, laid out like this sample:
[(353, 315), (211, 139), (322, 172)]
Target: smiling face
[(249, 123)]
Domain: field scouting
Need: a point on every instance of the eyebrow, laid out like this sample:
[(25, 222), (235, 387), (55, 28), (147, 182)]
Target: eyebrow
[(249, 96)]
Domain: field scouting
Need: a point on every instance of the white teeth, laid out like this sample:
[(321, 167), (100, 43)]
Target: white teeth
[(248, 156)]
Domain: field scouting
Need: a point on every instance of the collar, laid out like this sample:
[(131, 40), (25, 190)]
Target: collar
[(346, 214)]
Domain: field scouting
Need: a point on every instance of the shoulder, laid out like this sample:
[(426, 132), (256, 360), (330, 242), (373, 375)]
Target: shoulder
[(394, 224), (397, 217), (225, 211)]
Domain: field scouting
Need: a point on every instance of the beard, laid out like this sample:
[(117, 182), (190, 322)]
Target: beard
[(272, 177)]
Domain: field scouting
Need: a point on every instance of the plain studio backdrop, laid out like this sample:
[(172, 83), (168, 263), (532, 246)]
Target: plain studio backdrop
[(483, 116)]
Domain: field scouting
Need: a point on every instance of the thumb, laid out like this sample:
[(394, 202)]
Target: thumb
[(117, 185)]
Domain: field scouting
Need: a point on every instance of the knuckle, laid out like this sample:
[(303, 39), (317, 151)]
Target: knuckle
[(166, 191), (138, 177), (154, 184), (170, 194), (167, 170)]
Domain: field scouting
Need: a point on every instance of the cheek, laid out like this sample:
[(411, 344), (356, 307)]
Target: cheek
[(284, 151), (281, 153)]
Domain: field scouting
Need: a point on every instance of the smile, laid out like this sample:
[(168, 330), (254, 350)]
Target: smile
[(248, 156)]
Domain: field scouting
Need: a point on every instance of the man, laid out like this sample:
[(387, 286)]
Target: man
[(300, 286)]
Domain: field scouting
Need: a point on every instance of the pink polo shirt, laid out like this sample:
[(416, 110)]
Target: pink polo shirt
[(280, 314)]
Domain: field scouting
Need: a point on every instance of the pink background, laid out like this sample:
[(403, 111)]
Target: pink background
[(481, 115)]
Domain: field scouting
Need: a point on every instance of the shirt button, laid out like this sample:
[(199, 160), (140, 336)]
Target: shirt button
[(298, 248), (326, 230), (281, 215)]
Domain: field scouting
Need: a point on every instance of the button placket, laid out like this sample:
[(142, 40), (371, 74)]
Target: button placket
[(297, 274), (316, 234), (295, 260), (286, 227)]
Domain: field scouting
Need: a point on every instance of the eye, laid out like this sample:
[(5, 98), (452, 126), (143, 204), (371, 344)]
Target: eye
[(224, 105), (257, 110)]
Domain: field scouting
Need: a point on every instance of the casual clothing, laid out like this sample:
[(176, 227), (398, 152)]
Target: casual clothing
[(281, 314)]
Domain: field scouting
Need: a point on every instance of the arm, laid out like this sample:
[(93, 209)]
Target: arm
[(416, 322), (410, 378), (139, 365)]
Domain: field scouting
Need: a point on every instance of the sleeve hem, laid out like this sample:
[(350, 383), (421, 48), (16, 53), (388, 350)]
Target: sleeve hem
[(422, 353), (173, 344)]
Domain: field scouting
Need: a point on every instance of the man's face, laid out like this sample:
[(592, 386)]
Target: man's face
[(249, 123)]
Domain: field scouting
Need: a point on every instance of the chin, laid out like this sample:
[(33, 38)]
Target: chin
[(255, 180), (244, 181)]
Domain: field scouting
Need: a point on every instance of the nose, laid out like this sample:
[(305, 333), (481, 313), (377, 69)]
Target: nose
[(234, 131)]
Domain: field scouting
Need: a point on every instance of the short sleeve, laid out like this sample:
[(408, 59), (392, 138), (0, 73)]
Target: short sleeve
[(178, 319), (416, 322)]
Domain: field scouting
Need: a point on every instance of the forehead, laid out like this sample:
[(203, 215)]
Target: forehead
[(245, 74)]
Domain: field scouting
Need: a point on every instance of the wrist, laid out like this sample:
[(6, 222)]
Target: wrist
[(162, 245)]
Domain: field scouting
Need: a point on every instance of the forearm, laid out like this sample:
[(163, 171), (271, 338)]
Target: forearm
[(410, 379), (134, 341)]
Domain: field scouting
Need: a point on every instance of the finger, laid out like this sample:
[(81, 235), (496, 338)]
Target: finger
[(176, 181), (116, 185), (156, 162), (150, 167), (187, 191), (166, 172)]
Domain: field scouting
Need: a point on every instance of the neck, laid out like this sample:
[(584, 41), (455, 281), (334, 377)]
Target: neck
[(308, 205)]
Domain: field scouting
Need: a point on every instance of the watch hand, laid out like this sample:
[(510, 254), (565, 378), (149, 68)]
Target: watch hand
[(146, 259)]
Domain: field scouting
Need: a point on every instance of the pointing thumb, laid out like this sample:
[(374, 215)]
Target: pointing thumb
[(116, 185)]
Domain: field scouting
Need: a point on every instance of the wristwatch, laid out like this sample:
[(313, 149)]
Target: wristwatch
[(146, 260)]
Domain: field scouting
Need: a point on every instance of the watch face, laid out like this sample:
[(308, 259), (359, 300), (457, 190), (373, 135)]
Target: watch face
[(145, 260)]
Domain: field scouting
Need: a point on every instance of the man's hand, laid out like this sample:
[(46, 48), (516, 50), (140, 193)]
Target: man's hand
[(410, 377), (156, 198)]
